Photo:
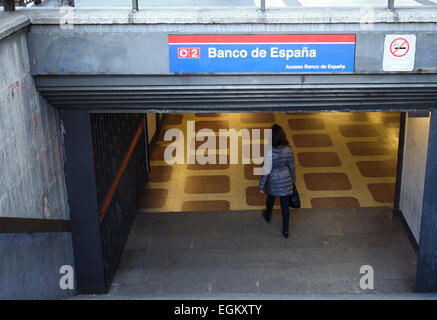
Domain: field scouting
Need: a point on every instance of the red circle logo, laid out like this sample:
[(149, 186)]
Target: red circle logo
[(399, 47)]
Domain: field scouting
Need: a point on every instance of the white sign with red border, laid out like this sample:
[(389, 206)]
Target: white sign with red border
[(399, 52)]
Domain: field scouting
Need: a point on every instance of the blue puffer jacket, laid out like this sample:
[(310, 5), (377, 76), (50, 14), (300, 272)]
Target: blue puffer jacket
[(279, 182)]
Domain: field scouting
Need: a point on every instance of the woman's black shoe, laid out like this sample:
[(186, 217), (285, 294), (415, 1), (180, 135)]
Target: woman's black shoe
[(285, 234), (265, 216)]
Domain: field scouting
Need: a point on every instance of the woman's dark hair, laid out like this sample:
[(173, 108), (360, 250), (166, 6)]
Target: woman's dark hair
[(278, 136)]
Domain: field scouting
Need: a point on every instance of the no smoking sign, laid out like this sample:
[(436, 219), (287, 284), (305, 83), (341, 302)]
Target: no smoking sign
[(399, 52), (399, 47)]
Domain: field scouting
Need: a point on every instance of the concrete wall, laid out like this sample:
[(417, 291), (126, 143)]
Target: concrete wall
[(31, 169), (413, 173)]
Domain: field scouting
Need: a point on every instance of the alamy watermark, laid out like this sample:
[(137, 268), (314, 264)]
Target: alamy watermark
[(67, 280), (206, 153), (367, 281)]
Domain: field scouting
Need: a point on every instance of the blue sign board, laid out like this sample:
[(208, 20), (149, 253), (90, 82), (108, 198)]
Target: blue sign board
[(262, 53)]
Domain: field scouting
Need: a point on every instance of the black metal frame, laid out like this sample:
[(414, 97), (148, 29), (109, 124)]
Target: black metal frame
[(113, 136), (426, 276), (146, 142), (28, 225), (82, 199), (93, 240), (401, 147)]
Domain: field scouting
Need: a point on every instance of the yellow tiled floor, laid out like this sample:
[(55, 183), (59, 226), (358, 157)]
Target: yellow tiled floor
[(341, 158)]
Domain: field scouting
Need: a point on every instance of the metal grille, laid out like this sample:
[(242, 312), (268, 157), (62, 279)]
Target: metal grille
[(244, 93), (112, 137)]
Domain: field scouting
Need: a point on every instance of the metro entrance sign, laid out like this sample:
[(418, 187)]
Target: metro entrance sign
[(303, 53)]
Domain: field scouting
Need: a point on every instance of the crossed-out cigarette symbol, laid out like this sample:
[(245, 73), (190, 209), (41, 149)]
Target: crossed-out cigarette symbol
[(399, 47)]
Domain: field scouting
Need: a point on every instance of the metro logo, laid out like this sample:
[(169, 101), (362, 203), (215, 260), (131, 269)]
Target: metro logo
[(189, 53)]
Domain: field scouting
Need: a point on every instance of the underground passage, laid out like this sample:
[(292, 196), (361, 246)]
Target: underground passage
[(342, 160), (132, 144), (197, 227)]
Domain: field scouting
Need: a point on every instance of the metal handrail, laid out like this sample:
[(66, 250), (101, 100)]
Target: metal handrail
[(120, 172), (390, 5), (135, 5), (9, 5)]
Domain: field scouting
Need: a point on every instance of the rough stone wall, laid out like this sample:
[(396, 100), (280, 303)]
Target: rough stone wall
[(32, 180)]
